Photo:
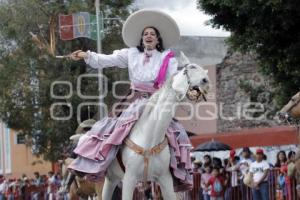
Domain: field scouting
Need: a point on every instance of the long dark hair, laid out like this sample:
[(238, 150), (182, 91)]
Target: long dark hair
[(291, 154), (278, 162), (159, 46), (208, 158)]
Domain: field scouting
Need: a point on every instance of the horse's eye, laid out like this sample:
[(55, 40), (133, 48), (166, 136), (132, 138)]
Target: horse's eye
[(193, 67), (293, 100), (204, 80)]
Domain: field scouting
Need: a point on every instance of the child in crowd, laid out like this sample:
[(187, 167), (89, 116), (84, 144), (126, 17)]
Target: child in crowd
[(280, 190), (204, 181), (217, 184)]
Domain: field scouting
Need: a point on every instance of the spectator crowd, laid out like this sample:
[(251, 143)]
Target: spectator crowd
[(24, 188), (246, 176)]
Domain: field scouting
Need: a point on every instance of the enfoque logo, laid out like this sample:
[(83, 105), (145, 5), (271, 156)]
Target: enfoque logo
[(200, 111)]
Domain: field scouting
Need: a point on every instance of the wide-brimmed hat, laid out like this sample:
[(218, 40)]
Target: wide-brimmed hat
[(197, 162), (85, 124), (75, 137), (138, 21)]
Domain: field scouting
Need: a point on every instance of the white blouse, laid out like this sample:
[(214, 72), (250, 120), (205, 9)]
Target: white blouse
[(133, 59)]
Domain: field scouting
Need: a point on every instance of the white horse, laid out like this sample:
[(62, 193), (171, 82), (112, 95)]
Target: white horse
[(144, 153)]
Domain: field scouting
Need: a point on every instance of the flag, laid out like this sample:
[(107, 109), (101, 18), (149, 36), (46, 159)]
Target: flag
[(81, 24)]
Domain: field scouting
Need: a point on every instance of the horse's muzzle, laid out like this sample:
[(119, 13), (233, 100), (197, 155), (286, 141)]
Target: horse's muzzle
[(196, 94)]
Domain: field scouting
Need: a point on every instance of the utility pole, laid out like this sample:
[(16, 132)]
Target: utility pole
[(100, 71)]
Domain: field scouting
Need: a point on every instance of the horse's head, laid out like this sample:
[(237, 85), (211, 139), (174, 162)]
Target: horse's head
[(291, 109), (192, 81)]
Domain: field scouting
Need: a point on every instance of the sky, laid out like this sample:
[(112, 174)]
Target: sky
[(191, 21)]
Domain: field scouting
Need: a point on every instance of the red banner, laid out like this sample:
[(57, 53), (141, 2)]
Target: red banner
[(66, 27)]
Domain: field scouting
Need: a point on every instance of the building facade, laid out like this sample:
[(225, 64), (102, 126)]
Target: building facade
[(16, 158)]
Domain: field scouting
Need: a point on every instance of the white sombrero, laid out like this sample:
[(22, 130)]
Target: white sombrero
[(136, 22), (85, 124)]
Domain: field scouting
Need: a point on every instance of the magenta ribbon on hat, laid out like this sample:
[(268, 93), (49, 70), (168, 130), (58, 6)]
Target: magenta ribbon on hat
[(160, 79)]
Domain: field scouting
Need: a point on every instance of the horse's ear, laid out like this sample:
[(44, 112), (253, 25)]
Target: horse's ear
[(183, 60)]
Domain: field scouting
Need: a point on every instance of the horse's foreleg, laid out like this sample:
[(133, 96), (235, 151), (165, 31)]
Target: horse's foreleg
[(113, 177), (108, 188), (129, 182), (166, 185)]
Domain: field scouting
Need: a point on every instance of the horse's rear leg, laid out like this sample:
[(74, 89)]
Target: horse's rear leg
[(166, 185), (108, 188)]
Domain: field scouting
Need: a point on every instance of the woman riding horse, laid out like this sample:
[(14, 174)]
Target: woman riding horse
[(148, 34)]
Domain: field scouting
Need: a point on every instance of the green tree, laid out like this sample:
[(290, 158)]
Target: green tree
[(270, 29), (27, 69)]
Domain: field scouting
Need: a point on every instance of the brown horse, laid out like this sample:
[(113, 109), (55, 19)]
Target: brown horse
[(291, 109), (80, 187), (295, 172)]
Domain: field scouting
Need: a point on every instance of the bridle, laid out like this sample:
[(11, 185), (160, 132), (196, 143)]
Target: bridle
[(286, 116)]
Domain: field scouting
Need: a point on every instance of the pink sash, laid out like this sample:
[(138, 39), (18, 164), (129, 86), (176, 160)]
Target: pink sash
[(160, 79)]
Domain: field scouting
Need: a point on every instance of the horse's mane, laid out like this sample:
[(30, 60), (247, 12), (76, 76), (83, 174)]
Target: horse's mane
[(158, 94)]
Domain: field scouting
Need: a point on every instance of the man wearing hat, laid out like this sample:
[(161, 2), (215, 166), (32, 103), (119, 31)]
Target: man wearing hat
[(197, 164), (76, 139), (259, 171), (148, 34)]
